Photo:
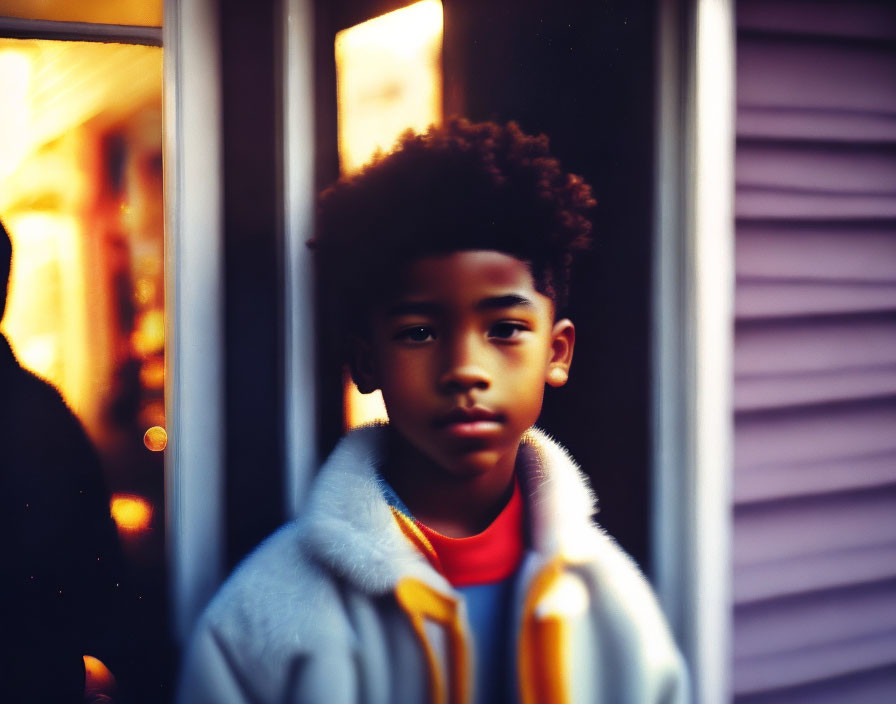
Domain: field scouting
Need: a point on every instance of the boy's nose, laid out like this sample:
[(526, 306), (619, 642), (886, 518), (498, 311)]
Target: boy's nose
[(462, 372), (463, 379)]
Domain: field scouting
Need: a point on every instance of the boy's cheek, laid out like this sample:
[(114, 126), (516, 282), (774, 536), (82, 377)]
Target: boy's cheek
[(409, 374)]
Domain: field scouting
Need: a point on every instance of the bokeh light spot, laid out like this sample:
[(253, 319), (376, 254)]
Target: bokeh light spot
[(152, 373), (155, 439), (131, 513), (149, 335)]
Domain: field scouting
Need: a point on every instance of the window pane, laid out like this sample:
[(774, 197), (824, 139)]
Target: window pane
[(81, 199)]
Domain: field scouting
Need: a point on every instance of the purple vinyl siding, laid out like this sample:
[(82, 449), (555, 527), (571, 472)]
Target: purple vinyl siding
[(814, 550)]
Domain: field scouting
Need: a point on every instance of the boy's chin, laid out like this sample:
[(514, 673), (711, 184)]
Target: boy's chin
[(472, 463), (461, 460)]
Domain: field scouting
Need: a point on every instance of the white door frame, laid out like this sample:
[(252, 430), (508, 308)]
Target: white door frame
[(194, 294), (298, 204), (693, 334)]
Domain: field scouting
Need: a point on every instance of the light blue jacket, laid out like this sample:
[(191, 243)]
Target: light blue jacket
[(340, 607)]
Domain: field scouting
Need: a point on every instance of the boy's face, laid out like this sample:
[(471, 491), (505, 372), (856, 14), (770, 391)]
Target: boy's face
[(462, 355)]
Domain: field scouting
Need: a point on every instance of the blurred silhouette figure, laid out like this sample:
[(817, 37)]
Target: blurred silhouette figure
[(61, 567)]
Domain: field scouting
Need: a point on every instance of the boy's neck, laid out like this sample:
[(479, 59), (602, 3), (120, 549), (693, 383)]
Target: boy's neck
[(457, 507)]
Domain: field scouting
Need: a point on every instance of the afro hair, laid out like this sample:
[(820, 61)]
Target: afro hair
[(461, 186)]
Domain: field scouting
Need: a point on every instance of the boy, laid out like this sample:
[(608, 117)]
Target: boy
[(448, 556)]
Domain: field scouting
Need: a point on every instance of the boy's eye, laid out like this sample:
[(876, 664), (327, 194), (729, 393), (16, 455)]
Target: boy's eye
[(506, 330), (417, 333)]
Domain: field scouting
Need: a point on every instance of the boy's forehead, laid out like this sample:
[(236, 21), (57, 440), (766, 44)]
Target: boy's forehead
[(463, 270)]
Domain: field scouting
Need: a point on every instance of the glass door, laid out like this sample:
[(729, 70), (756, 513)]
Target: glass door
[(81, 186)]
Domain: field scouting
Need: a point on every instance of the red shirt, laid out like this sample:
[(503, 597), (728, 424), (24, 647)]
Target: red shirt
[(490, 556)]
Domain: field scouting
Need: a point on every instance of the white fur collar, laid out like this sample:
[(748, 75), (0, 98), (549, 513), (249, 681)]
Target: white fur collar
[(349, 528)]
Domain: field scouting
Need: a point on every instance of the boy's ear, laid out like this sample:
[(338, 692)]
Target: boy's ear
[(563, 340), (362, 366)]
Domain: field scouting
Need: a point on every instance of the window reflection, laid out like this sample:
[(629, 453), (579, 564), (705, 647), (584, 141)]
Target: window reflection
[(81, 174), (81, 198)]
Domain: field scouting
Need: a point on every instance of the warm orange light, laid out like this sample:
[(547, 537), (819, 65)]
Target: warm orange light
[(97, 678), (361, 409), (388, 79), (145, 291), (146, 13), (42, 100), (152, 374), (153, 413), (46, 314), (15, 77), (155, 439), (62, 314), (131, 513), (149, 335)]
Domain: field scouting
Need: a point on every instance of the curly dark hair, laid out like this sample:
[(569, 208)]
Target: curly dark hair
[(460, 186)]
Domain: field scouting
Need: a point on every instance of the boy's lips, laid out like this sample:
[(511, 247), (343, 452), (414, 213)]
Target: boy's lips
[(470, 422)]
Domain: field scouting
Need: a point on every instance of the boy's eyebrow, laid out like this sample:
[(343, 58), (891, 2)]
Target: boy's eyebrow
[(413, 308), (431, 308), (511, 300)]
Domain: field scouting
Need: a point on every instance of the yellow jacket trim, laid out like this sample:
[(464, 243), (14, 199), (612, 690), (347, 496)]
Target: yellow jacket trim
[(415, 535), (421, 602), (543, 660)]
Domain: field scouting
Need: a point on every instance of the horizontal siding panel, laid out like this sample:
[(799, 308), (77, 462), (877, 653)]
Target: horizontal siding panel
[(865, 687), (817, 169), (809, 573), (773, 391), (822, 75), (814, 518), (782, 299), (859, 19), (816, 619), (788, 530), (801, 346), (814, 434), (790, 481), (818, 664), (823, 253), (808, 125), (757, 204), (764, 392)]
